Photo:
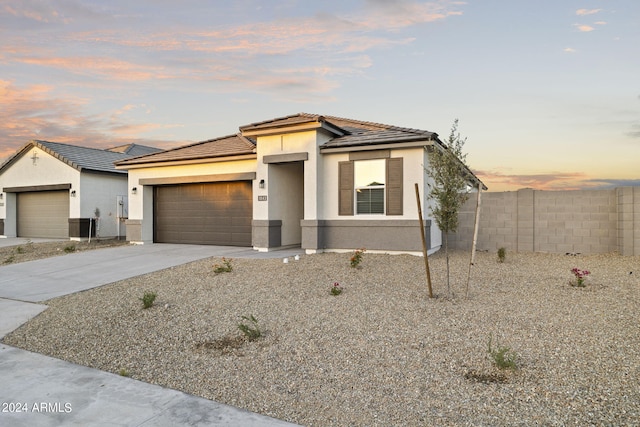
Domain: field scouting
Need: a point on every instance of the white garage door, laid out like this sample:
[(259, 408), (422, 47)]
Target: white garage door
[(43, 214)]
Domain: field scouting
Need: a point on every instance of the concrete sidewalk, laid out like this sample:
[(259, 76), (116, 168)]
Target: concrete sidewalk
[(42, 391)]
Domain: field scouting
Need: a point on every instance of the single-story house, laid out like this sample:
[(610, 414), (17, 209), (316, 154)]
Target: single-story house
[(319, 182), (55, 190)]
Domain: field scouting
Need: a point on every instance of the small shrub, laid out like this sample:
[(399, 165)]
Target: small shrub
[(226, 266), (356, 258), (124, 373), (251, 330), (148, 298), (10, 259), (70, 248), (336, 289), (20, 250), (580, 276), (502, 357), (502, 254)]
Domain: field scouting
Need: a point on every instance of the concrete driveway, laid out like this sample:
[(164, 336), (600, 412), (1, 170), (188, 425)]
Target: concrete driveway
[(42, 391)]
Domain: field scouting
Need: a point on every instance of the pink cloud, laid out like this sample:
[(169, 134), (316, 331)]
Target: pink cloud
[(500, 181), (584, 28), (585, 12), (34, 112), (101, 66)]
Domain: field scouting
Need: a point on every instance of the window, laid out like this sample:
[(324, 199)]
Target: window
[(370, 186), (369, 180)]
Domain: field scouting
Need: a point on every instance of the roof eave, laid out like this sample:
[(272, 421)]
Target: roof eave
[(190, 161), (377, 146)]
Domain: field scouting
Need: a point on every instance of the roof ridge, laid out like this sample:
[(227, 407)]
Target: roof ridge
[(43, 142), (383, 125), (276, 119)]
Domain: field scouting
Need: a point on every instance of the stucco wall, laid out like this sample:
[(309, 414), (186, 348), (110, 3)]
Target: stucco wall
[(47, 170), (140, 222), (101, 191), (586, 221)]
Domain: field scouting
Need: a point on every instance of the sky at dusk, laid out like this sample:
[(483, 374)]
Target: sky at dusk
[(547, 92)]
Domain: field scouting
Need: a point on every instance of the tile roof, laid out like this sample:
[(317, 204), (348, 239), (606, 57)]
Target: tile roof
[(232, 145), (367, 133), (354, 132), (347, 133), (134, 150), (283, 121), (80, 158)]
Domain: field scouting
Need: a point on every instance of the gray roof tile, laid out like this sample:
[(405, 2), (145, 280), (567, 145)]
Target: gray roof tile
[(232, 145), (80, 158)]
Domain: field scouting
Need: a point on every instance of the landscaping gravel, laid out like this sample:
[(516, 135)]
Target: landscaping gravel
[(382, 352)]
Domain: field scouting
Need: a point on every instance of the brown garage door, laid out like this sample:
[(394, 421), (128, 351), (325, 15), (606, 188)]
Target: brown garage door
[(216, 213), (43, 214)]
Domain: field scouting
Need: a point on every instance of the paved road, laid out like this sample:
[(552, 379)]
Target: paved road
[(37, 390)]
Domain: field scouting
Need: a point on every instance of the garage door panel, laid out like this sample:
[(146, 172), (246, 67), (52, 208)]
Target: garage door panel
[(212, 213), (43, 214)]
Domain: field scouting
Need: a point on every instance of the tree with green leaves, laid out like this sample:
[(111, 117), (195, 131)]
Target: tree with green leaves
[(448, 185)]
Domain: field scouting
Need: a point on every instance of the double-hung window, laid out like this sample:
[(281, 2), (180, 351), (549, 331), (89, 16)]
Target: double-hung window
[(370, 186), (369, 179)]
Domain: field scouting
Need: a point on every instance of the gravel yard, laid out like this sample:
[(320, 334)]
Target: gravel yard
[(381, 353), (32, 251)]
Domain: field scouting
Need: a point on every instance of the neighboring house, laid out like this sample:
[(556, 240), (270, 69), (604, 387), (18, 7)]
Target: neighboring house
[(54, 190), (323, 183)]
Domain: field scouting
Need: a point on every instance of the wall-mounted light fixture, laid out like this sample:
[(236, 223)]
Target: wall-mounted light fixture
[(134, 190), (73, 193), (1, 196), (261, 184)]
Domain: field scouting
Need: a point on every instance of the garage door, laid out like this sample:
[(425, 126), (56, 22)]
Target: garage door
[(43, 214), (217, 213)]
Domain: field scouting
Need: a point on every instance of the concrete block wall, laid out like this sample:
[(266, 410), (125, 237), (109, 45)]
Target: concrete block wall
[(585, 221), (628, 216)]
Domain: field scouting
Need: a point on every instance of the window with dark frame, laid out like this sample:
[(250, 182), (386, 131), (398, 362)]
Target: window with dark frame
[(369, 180)]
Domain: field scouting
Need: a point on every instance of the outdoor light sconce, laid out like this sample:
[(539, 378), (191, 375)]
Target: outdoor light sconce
[(261, 183), (1, 196), (73, 193), (134, 190)]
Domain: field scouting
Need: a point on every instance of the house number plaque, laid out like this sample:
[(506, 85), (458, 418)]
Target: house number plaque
[(262, 198)]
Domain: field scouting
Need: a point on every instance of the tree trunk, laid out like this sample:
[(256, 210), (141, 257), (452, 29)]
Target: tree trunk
[(446, 253)]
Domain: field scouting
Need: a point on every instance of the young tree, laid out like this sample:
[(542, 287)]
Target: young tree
[(449, 186)]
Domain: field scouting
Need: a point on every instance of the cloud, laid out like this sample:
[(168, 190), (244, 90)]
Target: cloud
[(585, 12), (394, 14), (500, 181), (584, 28), (328, 45), (100, 67), (37, 14), (569, 50), (34, 112), (295, 58), (603, 183), (35, 11)]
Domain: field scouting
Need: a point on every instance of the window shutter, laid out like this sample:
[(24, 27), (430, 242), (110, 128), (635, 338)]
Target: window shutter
[(394, 186), (345, 184)]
